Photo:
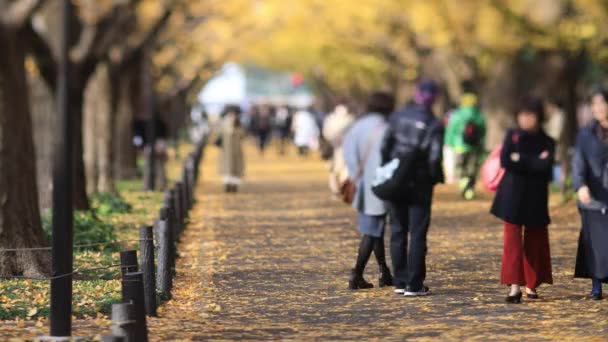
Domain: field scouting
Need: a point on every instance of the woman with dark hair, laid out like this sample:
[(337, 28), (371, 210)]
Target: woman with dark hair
[(590, 178), (230, 140), (522, 202), (362, 157)]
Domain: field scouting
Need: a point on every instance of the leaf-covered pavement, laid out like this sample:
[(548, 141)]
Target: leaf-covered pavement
[(272, 262)]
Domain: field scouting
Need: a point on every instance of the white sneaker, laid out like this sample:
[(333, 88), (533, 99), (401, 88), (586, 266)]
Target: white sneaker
[(424, 291)]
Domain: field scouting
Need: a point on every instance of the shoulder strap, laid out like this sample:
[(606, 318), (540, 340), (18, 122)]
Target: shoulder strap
[(370, 144)]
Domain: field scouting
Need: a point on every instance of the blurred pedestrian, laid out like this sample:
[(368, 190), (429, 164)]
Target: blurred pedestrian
[(282, 123), (522, 202), (465, 134), (414, 134), (590, 178), (334, 129), (306, 132), (362, 157), (262, 120), (230, 140)]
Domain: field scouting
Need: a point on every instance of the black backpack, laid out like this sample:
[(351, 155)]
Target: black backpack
[(395, 179), (471, 134)]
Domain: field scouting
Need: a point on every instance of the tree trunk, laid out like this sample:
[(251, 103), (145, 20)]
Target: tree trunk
[(20, 225), (44, 116), (90, 130), (79, 191), (98, 132), (125, 154)]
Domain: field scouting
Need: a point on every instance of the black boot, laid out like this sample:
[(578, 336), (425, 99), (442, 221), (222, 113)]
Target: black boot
[(386, 279), (356, 280)]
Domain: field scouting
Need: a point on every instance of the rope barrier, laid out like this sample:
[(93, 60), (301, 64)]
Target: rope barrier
[(76, 246), (67, 274)]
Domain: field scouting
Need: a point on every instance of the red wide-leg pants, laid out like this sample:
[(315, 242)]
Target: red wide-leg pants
[(526, 260)]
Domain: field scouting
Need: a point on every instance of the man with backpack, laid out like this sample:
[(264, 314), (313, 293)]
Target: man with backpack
[(414, 140), (465, 135)]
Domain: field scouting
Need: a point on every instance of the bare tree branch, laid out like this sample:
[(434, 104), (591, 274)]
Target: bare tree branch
[(19, 12), (43, 54)]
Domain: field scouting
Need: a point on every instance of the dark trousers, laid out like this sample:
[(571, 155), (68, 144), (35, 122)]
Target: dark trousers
[(263, 138), (411, 220), (468, 167)]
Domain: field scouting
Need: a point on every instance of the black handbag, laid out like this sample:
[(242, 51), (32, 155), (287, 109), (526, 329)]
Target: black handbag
[(394, 181)]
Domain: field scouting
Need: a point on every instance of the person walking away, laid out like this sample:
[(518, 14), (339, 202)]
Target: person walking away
[(230, 140), (362, 157), (522, 202), (590, 178), (465, 135), (283, 121), (262, 126), (414, 132), (306, 132), (334, 129)]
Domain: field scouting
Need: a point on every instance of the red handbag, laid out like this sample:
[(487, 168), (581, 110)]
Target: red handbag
[(492, 171)]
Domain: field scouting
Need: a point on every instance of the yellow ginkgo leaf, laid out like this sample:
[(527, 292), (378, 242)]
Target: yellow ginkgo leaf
[(32, 312)]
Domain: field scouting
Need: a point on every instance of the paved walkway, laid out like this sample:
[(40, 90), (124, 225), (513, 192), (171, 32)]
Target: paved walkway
[(272, 262)]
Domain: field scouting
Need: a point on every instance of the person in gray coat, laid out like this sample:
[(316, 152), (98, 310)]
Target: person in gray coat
[(362, 156)]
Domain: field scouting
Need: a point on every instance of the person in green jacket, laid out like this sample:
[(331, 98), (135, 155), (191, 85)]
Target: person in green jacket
[(465, 134)]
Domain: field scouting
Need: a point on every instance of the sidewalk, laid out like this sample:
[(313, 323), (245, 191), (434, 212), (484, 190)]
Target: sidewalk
[(272, 262)]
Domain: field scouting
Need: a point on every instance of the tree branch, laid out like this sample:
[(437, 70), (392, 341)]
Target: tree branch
[(19, 12), (43, 54), (130, 51)]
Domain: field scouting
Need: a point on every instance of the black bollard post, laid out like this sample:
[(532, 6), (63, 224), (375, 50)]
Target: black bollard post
[(187, 187), (146, 250), (133, 292), (191, 179), (128, 261), (124, 321), (163, 273), (179, 209), (172, 225), (184, 201)]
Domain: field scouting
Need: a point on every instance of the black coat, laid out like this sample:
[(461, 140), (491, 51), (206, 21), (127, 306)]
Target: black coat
[(590, 168), (523, 195), (415, 127), (590, 163)]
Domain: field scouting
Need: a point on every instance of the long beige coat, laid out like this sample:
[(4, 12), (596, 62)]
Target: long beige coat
[(231, 162)]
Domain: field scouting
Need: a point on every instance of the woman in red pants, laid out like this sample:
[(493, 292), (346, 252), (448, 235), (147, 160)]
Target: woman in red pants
[(522, 203)]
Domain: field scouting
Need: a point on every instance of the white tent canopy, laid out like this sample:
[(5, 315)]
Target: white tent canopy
[(236, 84)]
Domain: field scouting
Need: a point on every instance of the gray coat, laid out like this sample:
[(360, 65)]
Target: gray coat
[(365, 137)]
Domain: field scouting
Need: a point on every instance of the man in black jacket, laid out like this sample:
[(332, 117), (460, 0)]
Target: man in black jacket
[(414, 132)]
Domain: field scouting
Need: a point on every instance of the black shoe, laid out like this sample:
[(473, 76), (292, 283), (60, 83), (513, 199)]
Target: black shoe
[(357, 282), (532, 295), (516, 299), (596, 296), (411, 292), (386, 279)]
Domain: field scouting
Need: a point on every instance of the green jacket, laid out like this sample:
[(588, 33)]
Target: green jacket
[(455, 130)]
